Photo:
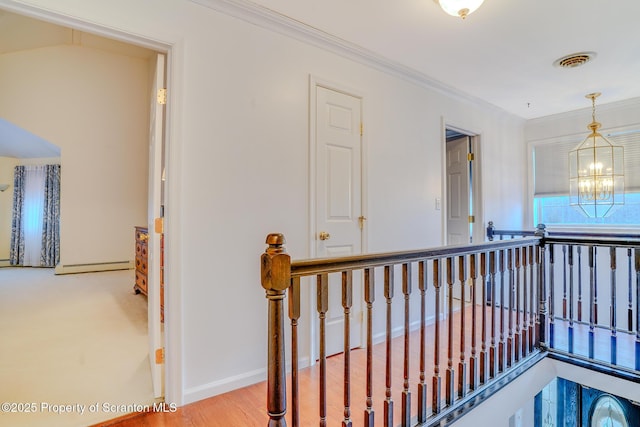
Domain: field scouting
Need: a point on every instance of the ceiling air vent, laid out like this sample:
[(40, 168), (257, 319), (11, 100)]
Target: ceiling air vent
[(574, 60)]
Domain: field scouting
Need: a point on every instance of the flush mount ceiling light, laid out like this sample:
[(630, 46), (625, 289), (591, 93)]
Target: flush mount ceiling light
[(596, 172), (460, 8)]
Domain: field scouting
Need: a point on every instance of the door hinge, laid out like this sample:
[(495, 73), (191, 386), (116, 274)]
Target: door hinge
[(361, 129), (162, 96), (470, 157), (361, 220), (159, 225), (159, 356), (472, 219)]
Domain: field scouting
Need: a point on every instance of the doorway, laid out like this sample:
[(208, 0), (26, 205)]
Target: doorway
[(127, 162), (462, 192), (461, 183)]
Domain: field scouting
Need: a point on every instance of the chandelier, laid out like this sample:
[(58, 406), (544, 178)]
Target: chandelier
[(460, 8), (596, 172)]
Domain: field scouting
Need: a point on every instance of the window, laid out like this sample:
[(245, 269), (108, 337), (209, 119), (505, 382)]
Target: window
[(607, 411), (551, 184), (557, 211)]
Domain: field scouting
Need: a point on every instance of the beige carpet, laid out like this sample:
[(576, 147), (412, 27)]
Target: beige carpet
[(71, 343)]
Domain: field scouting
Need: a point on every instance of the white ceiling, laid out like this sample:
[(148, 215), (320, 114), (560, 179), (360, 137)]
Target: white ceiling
[(501, 54)]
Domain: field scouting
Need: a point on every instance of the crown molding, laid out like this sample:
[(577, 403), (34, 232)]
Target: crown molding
[(269, 19), (623, 105), (65, 20), (608, 129)]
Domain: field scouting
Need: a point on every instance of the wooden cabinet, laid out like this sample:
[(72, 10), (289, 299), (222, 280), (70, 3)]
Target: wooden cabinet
[(142, 267), (142, 236)]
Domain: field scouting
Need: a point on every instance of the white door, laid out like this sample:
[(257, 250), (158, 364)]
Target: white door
[(458, 185), (339, 202), (458, 200), (156, 345)]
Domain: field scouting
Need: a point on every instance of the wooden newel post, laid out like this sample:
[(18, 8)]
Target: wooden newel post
[(276, 277), (541, 339)]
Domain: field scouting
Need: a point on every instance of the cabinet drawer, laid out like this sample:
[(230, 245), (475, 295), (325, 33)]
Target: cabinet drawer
[(141, 282), (141, 249), (141, 265)]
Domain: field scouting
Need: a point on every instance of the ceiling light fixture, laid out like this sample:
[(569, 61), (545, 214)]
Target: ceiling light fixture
[(596, 172), (461, 8)]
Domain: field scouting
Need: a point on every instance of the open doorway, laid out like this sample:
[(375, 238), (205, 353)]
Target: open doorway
[(462, 184), (462, 195), (105, 171)]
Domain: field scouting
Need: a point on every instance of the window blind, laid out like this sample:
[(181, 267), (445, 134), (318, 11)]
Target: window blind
[(551, 164), (631, 143)]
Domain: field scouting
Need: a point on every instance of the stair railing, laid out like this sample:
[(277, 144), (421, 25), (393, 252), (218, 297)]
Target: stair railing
[(507, 306)]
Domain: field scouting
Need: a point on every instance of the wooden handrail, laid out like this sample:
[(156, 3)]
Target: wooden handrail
[(492, 232), (556, 236), (520, 280), (595, 239), (598, 235), (310, 267), (280, 276)]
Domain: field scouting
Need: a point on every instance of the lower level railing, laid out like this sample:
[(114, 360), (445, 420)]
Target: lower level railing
[(480, 314), (594, 285)]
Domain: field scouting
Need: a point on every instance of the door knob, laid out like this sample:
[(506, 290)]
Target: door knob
[(324, 235)]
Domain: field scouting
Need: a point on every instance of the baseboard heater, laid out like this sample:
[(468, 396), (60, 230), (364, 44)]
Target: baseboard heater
[(93, 267)]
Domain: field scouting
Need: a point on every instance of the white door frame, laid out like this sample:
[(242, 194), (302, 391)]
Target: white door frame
[(156, 163), (312, 232), (173, 294), (478, 200)]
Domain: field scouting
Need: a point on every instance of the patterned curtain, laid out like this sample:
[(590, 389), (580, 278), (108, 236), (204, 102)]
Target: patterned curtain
[(51, 221), (16, 255), (49, 255)]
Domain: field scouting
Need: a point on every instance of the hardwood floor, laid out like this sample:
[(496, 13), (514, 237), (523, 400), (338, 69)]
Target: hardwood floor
[(246, 406)]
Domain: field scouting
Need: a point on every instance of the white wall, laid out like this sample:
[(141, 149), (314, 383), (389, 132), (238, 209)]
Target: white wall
[(237, 170), (94, 106)]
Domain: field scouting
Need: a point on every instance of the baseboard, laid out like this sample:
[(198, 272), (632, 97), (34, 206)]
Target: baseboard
[(93, 267), (235, 382), (5, 263), (224, 385)]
